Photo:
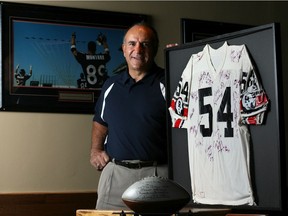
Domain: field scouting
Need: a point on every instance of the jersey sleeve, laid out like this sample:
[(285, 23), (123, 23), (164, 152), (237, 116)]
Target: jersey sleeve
[(253, 100), (180, 101)]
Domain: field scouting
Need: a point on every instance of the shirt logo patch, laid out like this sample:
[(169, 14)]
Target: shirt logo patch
[(179, 106)]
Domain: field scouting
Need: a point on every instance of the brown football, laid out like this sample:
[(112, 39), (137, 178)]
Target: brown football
[(155, 195)]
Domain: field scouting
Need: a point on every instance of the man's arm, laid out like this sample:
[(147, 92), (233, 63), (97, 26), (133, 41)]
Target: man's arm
[(98, 156), (102, 40), (30, 70), (17, 69), (73, 44), (106, 47)]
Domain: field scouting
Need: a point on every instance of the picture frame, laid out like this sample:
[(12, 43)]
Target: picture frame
[(194, 30), (37, 40), (267, 140)]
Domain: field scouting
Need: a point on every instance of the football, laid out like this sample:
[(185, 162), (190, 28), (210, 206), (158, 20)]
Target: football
[(155, 195)]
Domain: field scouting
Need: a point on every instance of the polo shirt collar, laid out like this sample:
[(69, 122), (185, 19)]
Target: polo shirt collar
[(126, 78)]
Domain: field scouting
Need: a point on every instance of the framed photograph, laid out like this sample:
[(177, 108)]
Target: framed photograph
[(194, 30), (56, 59)]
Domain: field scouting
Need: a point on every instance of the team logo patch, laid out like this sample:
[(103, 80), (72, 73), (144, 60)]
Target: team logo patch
[(249, 101), (179, 106)]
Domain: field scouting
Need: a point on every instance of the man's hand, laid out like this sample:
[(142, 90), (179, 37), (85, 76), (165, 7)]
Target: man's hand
[(98, 156), (99, 159), (101, 39)]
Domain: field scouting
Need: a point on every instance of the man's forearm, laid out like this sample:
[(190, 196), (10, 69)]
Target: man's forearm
[(99, 133)]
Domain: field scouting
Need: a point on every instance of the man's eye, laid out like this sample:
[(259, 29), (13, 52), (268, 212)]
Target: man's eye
[(131, 43), (146, 44)]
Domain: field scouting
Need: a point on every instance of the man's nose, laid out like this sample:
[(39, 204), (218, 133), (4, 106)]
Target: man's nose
[(139, 47)]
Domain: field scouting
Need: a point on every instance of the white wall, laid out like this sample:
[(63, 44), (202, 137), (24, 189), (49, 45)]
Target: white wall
[(50, 152)]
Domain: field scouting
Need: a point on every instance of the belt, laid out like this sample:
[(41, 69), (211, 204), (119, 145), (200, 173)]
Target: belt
[(134, 164)]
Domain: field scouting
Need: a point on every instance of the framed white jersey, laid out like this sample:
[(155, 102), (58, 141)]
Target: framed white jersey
[(218, 95)]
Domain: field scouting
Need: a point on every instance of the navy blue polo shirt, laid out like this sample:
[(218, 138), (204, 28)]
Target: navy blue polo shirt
[(135, 114)]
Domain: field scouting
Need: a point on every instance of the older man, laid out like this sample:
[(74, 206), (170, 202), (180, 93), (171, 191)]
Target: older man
[(129, 126)]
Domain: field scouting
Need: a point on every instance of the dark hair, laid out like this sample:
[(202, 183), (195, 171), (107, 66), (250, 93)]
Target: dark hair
[(92, 46), (22, 72), (155, 38)]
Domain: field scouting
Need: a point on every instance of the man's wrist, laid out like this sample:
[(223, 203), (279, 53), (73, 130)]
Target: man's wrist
[(95, 151)]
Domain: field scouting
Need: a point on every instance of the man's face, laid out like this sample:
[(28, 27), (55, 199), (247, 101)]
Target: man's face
[(138, 48)]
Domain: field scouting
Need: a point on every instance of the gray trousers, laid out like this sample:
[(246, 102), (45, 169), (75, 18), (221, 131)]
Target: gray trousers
[(115, 179)]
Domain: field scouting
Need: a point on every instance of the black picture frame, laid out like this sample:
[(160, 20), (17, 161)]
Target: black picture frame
[(194, 30), (270, 197), (40, 36)]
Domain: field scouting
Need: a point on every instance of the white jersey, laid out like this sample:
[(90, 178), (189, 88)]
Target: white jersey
[(218, 94)]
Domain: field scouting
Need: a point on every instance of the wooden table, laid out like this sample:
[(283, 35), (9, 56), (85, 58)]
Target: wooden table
[(185, 211), (99, 213)]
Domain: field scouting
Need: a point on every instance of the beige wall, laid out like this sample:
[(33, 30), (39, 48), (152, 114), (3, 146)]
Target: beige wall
[(50, 152)]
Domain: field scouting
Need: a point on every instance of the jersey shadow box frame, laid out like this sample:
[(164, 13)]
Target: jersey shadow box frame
[(38, 38), (193, 29), (267, 151)]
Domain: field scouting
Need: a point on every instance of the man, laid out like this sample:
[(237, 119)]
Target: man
[(93, 65), (129, 126), (81, 82), (21, 76)]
